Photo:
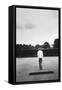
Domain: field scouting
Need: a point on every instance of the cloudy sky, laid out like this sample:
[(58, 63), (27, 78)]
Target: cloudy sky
[(36, 26)]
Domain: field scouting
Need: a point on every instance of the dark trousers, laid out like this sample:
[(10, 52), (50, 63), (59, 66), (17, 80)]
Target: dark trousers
[(40, 63), (40, 60)]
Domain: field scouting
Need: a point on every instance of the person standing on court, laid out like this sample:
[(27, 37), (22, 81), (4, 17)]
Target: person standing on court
[(40, 57)]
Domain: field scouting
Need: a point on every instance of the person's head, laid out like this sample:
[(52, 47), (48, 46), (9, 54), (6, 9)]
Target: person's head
[(40, 49)]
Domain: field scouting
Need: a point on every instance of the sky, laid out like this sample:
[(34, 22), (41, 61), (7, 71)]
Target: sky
[(36, 26)]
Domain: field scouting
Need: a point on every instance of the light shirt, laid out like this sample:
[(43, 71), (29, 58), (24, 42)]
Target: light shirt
[(40, 54)]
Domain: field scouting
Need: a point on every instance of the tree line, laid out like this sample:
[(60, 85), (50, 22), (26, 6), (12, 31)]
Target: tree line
[(31, 47)]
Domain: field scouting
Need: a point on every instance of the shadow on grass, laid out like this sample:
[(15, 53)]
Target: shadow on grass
[(40, 73)]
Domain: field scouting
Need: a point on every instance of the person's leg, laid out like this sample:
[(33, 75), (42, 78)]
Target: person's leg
[(40, 60), (40, 63)]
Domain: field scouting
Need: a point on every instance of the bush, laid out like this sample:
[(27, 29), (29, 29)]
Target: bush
[(33, 53)]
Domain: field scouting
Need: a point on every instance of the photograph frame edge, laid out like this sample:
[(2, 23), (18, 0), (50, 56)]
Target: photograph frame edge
[(14, 43)]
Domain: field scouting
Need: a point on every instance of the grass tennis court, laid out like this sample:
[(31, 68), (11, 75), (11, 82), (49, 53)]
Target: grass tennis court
[(25, 66)]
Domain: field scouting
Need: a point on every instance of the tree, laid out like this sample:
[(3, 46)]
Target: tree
[(56, 43), (37, 46), (46, 45)]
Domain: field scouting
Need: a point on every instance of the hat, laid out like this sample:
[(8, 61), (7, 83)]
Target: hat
[(40, 48)]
